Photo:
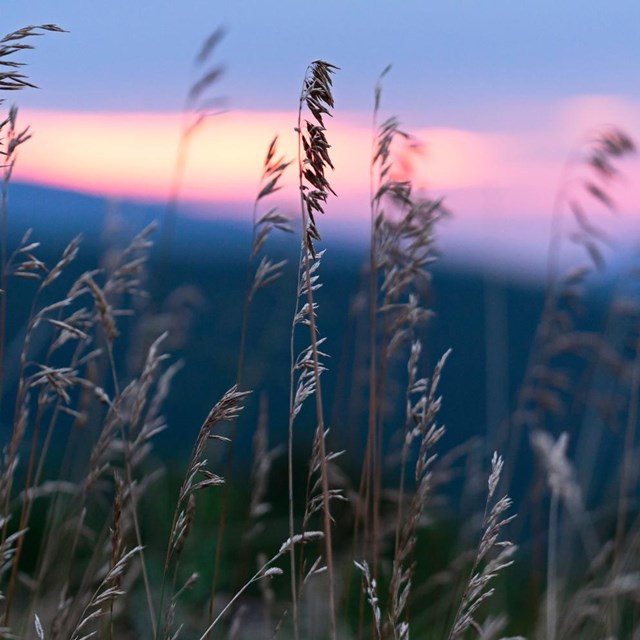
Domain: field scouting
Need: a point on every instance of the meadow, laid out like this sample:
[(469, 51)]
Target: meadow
[(398, 530)]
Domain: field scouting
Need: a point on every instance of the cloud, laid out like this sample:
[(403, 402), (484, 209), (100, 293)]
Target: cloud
[(133, 154), (489, 178)]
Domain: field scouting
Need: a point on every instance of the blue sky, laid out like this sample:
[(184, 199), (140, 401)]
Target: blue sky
[(501, 92), (453, 61)]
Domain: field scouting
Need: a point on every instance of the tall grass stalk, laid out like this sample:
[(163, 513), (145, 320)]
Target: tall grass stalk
[(552, 568), (199, 105), (313, 158), (257, 278), (586, 178), (198, 477), (12, 79), (371, 470)]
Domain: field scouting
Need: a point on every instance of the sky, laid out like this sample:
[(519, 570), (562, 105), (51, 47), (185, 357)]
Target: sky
[(499, 92)]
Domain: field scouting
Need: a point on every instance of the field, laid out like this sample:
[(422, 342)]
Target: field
[(350, 477)]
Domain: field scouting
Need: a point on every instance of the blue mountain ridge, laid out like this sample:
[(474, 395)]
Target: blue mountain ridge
[(211, 255)]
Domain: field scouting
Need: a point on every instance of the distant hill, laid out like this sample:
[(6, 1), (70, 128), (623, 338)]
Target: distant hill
[(211, 255), (61, 214), (488, 321)]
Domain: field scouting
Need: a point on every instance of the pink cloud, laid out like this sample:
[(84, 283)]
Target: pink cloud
[(133, 155), (490, 179)]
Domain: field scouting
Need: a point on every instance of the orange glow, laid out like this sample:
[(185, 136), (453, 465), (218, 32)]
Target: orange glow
[(132, 155)]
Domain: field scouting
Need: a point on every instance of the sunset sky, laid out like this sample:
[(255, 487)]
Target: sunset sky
[(500, 93)]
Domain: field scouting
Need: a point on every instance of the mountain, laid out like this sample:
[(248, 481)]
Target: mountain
[(487, 321)]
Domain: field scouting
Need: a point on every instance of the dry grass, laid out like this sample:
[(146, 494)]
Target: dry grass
[(92, 575)]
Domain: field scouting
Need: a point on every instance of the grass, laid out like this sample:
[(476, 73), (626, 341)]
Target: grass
[(95, 542)]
